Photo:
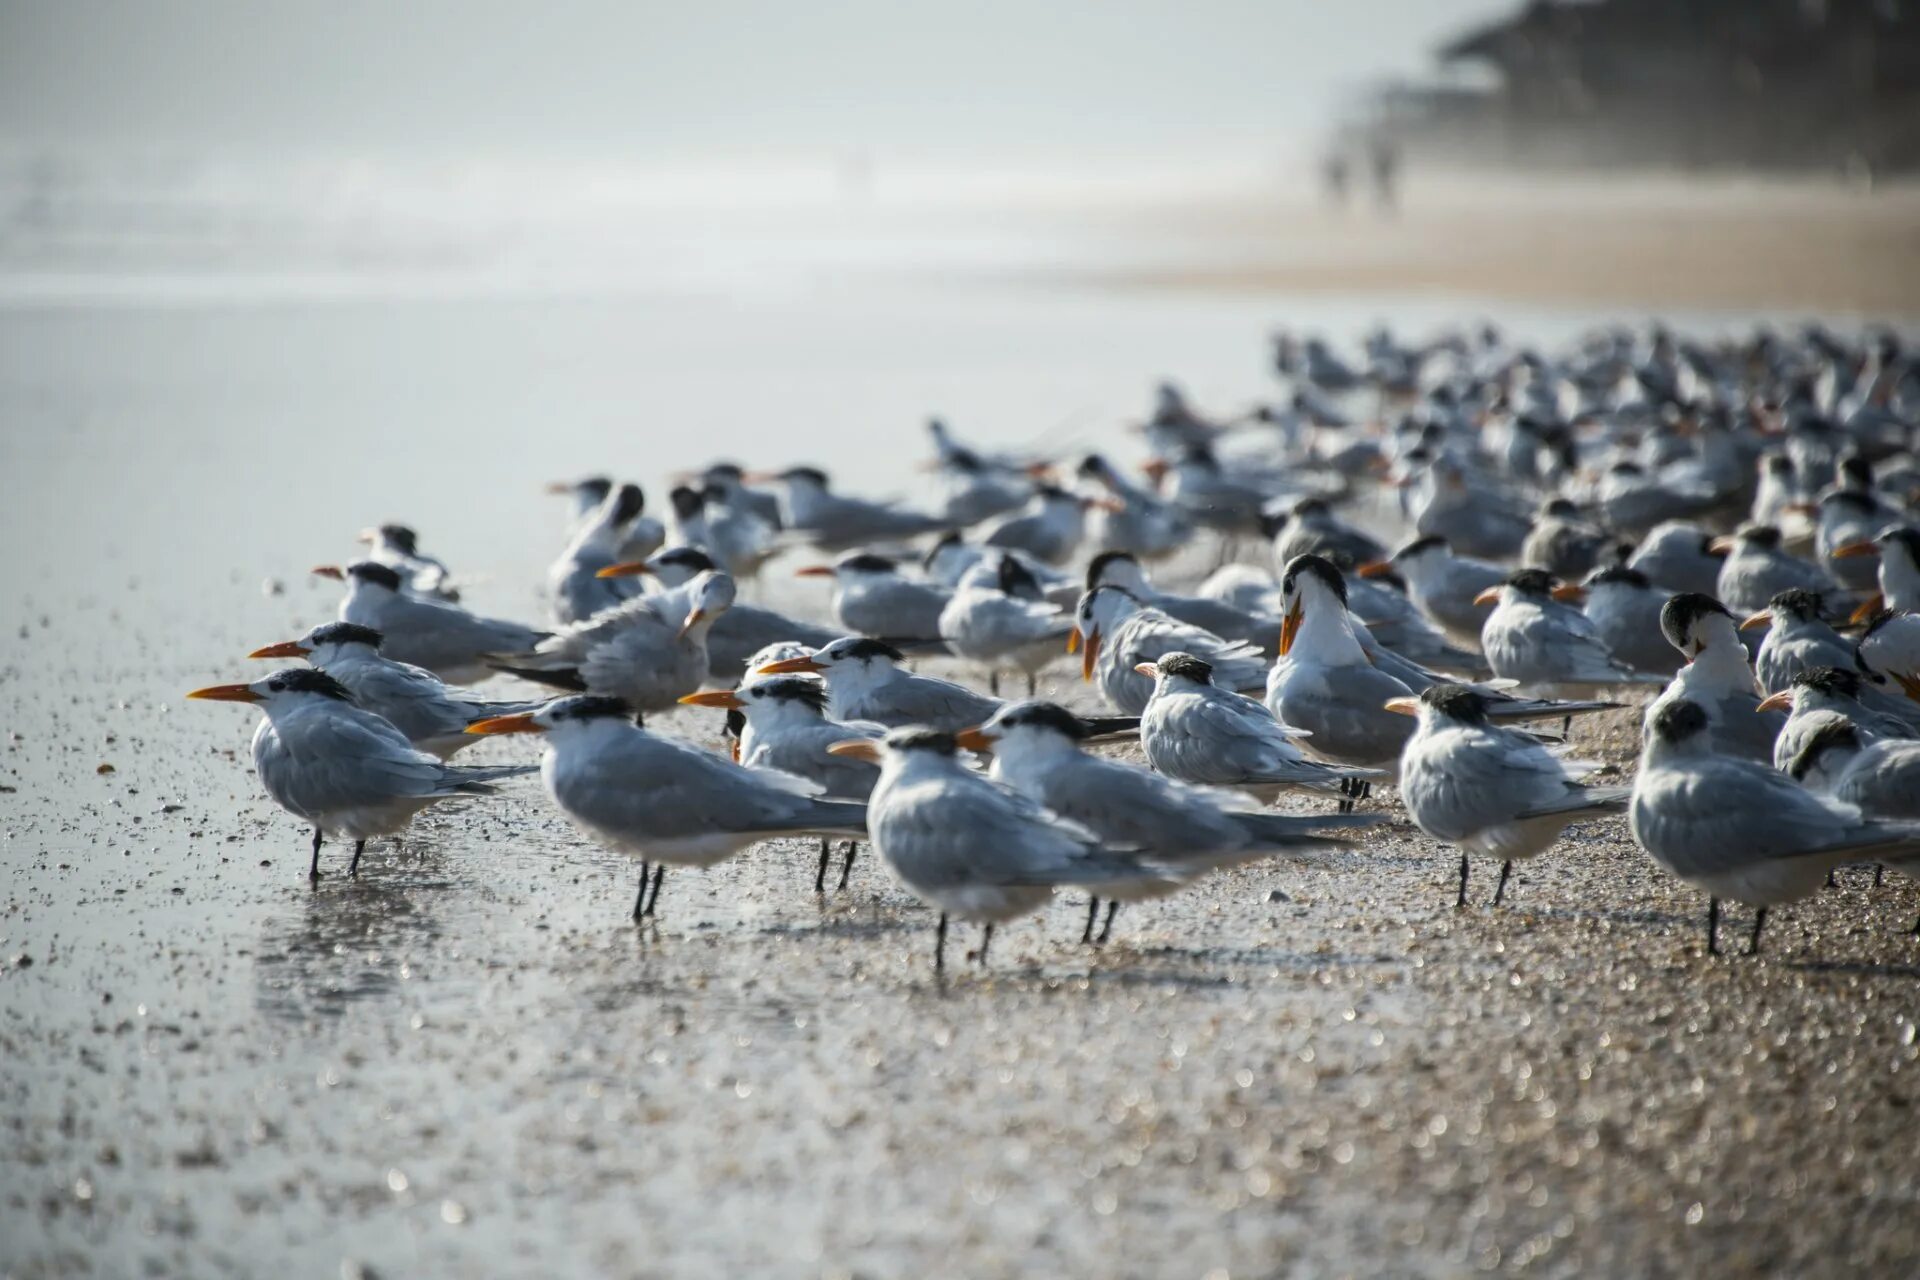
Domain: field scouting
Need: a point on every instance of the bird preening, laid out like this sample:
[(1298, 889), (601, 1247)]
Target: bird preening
[(1400, 589)]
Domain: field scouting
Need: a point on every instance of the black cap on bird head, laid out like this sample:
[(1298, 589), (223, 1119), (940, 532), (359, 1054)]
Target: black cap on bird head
[(808, 475), (346, 633), (1420, 546), (585, 707), (866, 562), (1797, 603), (1186, 666), (1559, 508), (1759, 535), (379, 575), (1316, 567), (799, 689), (1683, 612), (1855, 469), (1097, 567), (687, 502), (1311, 508), (1678, 721), (862, 649), (1779, 464), (1531, 582), (1621, 574), (629, 505), (1455, 701), (401, 538), (692, 559), (1833, 681), (920, 738), (1092, 465), (595, 488), (1041, 715), (308, 680), (1017, 580)]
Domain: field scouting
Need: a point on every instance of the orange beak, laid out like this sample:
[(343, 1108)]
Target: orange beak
[(974, 740), (1568, 593), (1855, 549), (630, 569), (285, 649), (814, 571), (789, 666), (1405, 706), (1375, 569), (693, 619), (1089, 653), (522, 723), (1763, 618), (1073, 640), (858, 748), (1721, 546), (333, 571), (725, 699), (1490, 596), (1872, 605), (1290, 627), (1782, 701), (1146, 669), (227, 693), (559, 486)]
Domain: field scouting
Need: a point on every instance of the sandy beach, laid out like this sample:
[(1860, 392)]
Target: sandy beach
[(469, 1061)]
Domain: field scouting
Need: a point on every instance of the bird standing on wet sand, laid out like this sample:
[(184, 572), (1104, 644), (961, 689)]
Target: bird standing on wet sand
[(1742, 830), (784, 726), (1192, 731), (1717, 676), (973, 848), (988, 625), (1036, 751), (871, 597), (346, 771), (1114, 632), (661, 801), (1492, 791), (433, 715), (739, 633), (1548, 648), (834, 522)]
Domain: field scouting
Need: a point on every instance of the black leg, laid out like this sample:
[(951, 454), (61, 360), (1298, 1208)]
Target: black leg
[(940, 945), (1500, 890), (1106, 930), (640, 902), (1916, 927), (1713, 926), (1366, 789), (313, 868), (659, 874), (993, 683), (1832, 881), (820, 876), (986, 940), (1033, 684), (1093, 913), (1879, 873), (353, 868), (1753, 941), (1346, 796), (846, 864), (1461, 901), (1566, 725)]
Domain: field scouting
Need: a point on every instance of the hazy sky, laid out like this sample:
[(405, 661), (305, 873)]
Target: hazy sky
[(593, 77)]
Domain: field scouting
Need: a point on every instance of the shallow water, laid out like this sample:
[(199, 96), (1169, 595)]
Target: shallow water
[(469, 1061)]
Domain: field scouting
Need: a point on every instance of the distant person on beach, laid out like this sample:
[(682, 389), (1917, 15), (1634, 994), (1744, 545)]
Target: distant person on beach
[(1336, 176), (1384, 156)]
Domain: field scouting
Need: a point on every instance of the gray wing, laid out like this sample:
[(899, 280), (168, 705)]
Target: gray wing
[(1347, 716), (1460, 781), (929, 700)]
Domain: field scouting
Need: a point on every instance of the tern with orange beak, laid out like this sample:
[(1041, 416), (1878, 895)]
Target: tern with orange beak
[(1797, 639), (739, 633), (343, 770), (650, 652), (1899, 572), (444, 638), (432, 714), (784, 726), (1826, 693), (663, 802), (972, 848), (1493, 791), (1717, 676), (1758, 568), (1036, 750), (576, 586), (1443, 586), (1115, 632), (1549, 648), (996, 622), (872, 597), (834, 522), (398, 547), (1324, 683)]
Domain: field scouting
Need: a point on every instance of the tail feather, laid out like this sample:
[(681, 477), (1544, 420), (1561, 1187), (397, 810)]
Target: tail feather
[(1596, 800), (473, 779), (1110, 726), (1544, 708), (834, 817)]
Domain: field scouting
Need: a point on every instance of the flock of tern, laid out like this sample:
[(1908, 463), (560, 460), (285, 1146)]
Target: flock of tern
[(1413, 570)]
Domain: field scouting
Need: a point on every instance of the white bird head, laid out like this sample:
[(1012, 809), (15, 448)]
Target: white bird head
[(847, 653), (279, 690)]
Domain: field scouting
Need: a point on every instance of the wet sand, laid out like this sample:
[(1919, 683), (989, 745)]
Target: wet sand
[(470, 1062)]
